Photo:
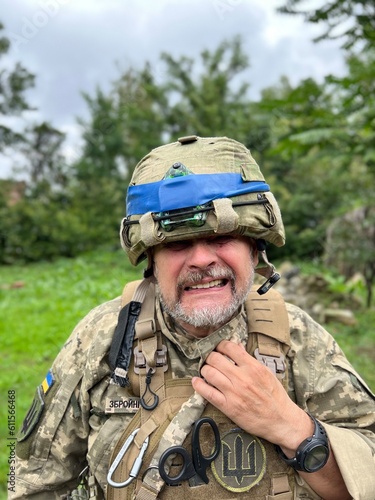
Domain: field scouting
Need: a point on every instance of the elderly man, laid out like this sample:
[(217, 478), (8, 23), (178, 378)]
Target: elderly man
[(195, 382)]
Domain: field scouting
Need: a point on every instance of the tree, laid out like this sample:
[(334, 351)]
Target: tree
[(323, 132), (301, 147), (356, 91), (123, 126), (351, 20), (140, 113), (201, 97), (13, 84), (320, 132), (206, 97), (44, 162)]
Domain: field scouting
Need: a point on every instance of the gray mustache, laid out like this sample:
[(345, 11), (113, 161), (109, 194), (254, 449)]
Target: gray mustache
[(194, 277)]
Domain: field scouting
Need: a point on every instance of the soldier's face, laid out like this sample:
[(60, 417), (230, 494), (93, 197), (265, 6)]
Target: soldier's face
[(203, 282)]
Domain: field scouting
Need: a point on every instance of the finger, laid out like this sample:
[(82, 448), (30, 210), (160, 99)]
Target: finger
[(235, 352), (235, 364), (220, 361), (208, 392), (216, 378)]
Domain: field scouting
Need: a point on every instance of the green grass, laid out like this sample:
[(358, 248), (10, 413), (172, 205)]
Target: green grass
[(37, 317)]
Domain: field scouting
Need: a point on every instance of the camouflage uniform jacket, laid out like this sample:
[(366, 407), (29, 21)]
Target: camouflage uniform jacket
[(57, 450)]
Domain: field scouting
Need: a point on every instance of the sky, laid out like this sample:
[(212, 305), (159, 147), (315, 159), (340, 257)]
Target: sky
[(74, 46)]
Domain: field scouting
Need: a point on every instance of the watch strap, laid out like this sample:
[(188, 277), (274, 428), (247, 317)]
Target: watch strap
[(318, 438)]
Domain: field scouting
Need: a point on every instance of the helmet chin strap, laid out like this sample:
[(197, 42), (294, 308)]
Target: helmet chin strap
[(268, 271), (149, 271)]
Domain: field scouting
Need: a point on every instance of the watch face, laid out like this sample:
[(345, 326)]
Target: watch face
[(316, 458)]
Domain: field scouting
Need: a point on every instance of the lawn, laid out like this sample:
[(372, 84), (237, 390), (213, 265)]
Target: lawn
[(41, 303), (39, 306)]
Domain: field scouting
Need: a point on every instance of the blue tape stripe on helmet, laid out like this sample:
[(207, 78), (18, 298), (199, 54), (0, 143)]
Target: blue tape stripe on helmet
[(187, 191)]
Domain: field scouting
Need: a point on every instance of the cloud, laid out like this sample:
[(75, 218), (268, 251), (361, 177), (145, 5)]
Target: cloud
[(76, 46)]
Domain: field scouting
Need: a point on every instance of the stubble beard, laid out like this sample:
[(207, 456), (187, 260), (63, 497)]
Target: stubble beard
[(215, 315)]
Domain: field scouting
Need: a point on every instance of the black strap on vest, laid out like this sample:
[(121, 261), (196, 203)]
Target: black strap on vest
[(122, 343)]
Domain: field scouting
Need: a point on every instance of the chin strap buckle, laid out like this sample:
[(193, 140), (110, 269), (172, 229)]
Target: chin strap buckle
[(274, 278), (268, 271)]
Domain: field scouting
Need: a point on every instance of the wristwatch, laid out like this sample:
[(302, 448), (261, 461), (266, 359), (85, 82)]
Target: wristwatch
[(312, 454)]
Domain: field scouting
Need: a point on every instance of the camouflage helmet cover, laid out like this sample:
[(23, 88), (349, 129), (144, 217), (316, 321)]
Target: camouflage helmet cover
[(238, 202)]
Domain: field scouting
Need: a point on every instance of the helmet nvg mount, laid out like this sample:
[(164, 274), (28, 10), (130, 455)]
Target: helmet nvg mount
[(199, 187)]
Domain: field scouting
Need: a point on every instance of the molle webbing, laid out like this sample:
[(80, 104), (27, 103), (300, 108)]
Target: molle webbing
[(269, 334), (152, 424), (268, 341), (277, 482)]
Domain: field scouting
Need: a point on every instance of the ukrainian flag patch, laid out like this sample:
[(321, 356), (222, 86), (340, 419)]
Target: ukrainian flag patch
[(48, 382), (35, 412)]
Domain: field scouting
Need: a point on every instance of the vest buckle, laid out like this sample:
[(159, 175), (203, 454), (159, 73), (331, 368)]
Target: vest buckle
[(161, 360), (275, 363)]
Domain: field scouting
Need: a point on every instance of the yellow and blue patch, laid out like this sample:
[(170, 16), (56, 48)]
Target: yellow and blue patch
[(48, 382), (36, 410)]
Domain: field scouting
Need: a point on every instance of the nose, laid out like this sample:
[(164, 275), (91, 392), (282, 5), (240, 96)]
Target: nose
[(201, 255)]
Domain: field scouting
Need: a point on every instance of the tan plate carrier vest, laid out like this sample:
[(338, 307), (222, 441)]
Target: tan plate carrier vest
[(269, 478)]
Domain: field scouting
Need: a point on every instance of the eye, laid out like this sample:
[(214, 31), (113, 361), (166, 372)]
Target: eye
[(176, 246), (221, 240)]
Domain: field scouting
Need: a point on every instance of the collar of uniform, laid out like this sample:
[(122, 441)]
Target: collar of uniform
[(193, 348)]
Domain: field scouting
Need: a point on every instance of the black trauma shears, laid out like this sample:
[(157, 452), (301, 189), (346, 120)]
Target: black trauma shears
[(194, 467)]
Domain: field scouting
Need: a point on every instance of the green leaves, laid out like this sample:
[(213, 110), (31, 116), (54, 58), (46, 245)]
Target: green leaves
[(314, 141), (205, 96), (14, 82), (353, 21)]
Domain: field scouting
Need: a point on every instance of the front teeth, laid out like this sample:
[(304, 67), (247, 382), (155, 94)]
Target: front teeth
[(207, 285)]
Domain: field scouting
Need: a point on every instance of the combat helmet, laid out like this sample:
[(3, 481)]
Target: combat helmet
[(199, 187)]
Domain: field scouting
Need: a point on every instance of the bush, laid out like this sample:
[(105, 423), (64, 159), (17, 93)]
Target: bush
[(32, 231)]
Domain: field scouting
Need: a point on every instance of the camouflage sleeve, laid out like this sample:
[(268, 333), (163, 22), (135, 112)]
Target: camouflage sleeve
[(53, 439), (326, 384)]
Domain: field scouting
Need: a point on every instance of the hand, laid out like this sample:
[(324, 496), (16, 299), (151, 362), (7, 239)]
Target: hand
[(251, 396)]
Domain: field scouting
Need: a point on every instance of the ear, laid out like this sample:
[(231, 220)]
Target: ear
[(256, 257)]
